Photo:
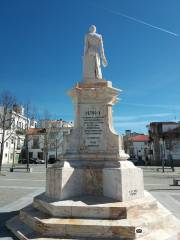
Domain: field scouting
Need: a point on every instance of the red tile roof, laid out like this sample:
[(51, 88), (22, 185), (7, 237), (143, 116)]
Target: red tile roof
[(34, 131), (140, 138)]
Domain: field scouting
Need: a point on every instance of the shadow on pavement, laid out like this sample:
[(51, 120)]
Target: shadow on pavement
[(4, 232), (163, 189)]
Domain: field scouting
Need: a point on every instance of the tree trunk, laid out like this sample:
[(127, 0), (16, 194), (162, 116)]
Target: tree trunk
[(2, 146), (27, 152), (1, 155)]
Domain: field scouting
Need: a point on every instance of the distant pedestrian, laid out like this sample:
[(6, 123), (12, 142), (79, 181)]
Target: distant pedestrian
[(148, 163), (171, 161)]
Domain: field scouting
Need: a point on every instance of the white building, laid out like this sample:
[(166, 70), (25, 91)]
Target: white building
[(49, 124), (36, 141), (48, 139), (15, 133), (137, 145)]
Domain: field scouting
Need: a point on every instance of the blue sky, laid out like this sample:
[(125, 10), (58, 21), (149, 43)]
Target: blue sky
[(41, 47)]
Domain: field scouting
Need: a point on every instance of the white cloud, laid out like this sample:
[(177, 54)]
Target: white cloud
[(139, 123), (131, 124), (142, 116), (163, 106)]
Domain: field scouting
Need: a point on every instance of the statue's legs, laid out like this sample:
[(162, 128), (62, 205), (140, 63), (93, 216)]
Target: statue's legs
[(91, 67), (98, 67)]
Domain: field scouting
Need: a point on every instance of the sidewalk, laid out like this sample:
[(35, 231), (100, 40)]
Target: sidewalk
[(157, 170)]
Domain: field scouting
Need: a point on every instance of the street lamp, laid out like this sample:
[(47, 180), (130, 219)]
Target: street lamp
[(161, 141)]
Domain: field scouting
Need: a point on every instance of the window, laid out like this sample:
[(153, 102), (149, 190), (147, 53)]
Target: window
[(11, 155), (40, 155), (6, 144), (12, 140), (6, 155), (52, 146), (30, 154), (35, 142), (18, 144)]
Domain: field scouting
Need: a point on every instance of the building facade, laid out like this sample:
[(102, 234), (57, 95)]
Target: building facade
[(46, 142), (137, 146), (36, 141), (165, 142), (17, 124)]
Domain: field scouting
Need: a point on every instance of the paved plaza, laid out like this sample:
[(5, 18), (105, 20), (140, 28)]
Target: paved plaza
[(18, 188)]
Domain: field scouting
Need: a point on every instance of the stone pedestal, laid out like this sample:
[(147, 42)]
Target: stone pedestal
[(93, 160), (93, 192), (64, 182), (93, 141)]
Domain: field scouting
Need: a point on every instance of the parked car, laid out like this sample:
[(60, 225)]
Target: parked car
[(36, 161), (137, 162), (24, 161), (40, 161), (51, 160), (33, 160)]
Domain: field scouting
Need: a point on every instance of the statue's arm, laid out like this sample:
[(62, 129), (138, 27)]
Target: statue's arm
[(104, 61), (85, 45)]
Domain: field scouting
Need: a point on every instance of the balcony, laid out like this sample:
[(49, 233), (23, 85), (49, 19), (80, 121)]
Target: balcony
[(20, 131)]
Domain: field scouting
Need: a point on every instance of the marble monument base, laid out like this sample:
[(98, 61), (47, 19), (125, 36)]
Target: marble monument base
[(123, 183), (95, 218), (95, 203)]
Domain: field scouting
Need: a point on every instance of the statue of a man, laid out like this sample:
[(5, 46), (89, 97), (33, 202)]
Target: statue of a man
[(91, 58)]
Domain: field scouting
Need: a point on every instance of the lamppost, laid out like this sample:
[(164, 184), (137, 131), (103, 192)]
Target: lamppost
[(56, 149), (45, 149), (161, 141), (14, 153)]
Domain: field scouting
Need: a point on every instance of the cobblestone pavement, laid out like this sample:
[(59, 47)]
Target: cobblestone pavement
[(18, 188)]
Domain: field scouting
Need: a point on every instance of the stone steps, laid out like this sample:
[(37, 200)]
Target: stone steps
[(81, 208), (23, 232), (69, 227), (145, 220), (93, 207), (133, 227)]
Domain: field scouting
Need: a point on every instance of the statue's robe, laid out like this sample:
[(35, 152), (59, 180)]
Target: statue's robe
[(91, 61)]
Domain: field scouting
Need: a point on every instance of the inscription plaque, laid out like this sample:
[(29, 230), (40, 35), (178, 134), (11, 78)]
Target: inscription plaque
[(93, 121)]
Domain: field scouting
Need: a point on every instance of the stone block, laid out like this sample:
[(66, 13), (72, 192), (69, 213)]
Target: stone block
[(124, 183), (64, 182)]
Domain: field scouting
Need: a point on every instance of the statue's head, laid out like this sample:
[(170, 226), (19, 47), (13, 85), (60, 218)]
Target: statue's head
[(92, 29)]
